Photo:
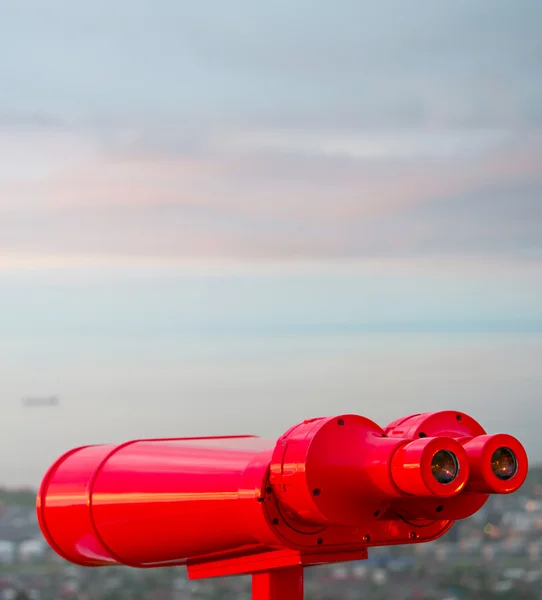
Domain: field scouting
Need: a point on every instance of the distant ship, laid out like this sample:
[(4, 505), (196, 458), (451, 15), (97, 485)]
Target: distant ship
[(32, 401)]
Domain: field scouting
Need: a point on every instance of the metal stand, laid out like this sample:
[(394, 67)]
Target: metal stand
[(285, 583)]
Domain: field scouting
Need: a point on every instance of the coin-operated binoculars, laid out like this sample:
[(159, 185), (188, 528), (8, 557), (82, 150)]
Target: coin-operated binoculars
[(325, 492)]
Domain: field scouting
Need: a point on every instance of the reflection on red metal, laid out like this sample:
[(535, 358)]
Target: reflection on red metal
[(325, 491)]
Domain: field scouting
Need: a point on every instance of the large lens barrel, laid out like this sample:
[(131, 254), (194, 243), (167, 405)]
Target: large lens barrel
[(154, 502)]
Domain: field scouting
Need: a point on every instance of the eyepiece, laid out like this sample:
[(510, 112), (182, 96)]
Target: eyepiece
[(504, 464), (498, 464), (431, 467), (444, 466)]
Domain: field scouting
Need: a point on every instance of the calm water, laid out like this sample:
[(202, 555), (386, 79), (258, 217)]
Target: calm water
[(113, 388)]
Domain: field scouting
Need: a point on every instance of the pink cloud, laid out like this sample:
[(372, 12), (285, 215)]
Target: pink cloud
[(317, 188), (235, 203)]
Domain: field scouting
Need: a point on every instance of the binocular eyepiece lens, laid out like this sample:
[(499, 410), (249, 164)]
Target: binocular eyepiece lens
[(444, 466), (504, 463)]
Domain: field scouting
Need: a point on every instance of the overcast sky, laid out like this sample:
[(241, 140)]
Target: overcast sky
[(188, 129), (172, 168)]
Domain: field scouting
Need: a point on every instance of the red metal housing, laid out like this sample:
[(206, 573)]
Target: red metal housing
[(328, 489)]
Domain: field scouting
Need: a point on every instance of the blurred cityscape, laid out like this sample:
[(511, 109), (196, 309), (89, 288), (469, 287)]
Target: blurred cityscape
[(495, 554)]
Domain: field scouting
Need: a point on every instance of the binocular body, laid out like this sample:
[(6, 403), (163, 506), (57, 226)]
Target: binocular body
[(325, 491)]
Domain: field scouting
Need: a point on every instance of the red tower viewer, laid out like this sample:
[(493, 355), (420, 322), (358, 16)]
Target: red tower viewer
[(326, 491)]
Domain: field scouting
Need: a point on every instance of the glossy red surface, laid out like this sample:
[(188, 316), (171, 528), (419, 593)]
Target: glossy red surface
[(279, 584), (411, 468), (325, 491), (155, 502), (444, 423), (480, 450), (334, 471)]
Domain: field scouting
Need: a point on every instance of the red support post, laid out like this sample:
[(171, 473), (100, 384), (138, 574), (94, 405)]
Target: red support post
[(278, 584)]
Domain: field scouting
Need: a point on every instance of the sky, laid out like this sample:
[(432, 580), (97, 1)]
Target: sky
[(185, 187)]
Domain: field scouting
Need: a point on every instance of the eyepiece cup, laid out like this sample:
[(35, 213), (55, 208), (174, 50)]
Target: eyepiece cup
[(431, 467), (498, 464)]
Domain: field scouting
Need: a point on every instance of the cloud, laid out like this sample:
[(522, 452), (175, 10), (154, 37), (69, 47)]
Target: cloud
[(348, 162), (346, 65), (197, 131), (253, 194), (488, 220)]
